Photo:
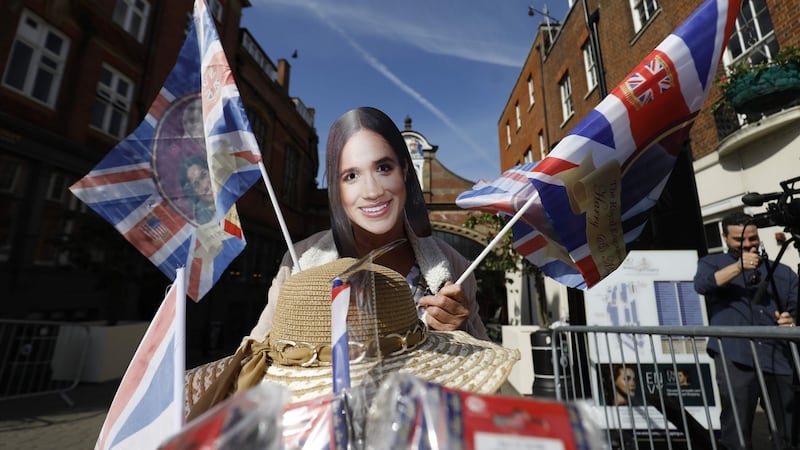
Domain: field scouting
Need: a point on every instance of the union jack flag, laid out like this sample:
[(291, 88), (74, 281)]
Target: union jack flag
[(171, 186), (592, 193), (148, 405)]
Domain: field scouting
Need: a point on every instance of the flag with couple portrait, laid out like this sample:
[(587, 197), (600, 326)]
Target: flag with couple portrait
[(171, 186), (591, 195), (170, 189)]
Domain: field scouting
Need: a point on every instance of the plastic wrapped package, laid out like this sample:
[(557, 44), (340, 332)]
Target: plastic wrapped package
[(410, 413), (320, 423), (248, 420)]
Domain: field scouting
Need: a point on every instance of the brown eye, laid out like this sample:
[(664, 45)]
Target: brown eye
[(349, 176), (385, 167)]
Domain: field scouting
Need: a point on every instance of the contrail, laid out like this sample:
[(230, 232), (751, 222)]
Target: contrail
[(383, 70)]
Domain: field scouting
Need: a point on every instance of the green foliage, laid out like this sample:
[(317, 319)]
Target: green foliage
[(504, 257), (736, 72)]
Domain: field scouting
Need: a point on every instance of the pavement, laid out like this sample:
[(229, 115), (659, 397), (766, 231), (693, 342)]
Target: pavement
[(48, 422)]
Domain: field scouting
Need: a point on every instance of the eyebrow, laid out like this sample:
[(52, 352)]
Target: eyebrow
[(374, 163)]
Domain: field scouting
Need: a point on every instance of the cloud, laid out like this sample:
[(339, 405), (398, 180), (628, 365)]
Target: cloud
[(477, 31), (376, 64)]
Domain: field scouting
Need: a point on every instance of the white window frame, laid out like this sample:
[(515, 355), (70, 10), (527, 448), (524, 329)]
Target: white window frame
[(519, 116), (132, 16), (10, 170), (567, 105), (508, 134), (58, 187), (529, 155), (591, 68), (753, 43), (116, 105), (642, 11), (718, 225), (542, 148), (531, 98), (38, 37)]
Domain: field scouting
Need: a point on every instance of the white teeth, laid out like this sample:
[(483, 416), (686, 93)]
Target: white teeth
[(374, 209)]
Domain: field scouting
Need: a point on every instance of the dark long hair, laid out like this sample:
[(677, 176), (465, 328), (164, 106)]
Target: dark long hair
[(348, 124)]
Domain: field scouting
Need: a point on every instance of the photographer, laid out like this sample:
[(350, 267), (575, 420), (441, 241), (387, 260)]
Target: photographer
[(729, 281)]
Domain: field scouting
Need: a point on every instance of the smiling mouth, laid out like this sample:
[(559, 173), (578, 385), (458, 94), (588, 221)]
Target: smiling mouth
[(372, 210)]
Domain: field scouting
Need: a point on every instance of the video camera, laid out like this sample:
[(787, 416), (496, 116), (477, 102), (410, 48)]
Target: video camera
[(783, 212)]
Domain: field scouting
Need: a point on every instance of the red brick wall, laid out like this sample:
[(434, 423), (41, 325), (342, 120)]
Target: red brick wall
[(621, 50)]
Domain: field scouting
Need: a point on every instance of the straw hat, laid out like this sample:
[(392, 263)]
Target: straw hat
[(299, 345)]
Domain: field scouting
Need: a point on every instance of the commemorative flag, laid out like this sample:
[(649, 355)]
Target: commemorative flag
[(590, 197), (170, 187)]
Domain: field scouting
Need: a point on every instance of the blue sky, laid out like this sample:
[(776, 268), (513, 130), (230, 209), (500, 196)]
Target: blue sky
[(449, 64)]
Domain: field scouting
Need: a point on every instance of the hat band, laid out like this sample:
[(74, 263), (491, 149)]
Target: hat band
[(292, 353)]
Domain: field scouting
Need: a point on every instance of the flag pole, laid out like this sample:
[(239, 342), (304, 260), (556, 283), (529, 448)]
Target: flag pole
[(279, 214), (180, 345), (497, 238)]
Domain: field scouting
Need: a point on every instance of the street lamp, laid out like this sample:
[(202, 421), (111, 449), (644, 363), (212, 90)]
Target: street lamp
[(533, 11)]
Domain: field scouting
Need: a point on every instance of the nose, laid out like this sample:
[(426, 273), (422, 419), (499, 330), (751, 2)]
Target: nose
[(373, 188)]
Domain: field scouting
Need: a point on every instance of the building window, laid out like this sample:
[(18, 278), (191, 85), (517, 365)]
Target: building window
[(566, 98), (290, 176), (58, 187), (519, 118), (260, 131), (55, 226), (531, 99), (529, 155), (132, 16), (753, 39), (713, 232), (643, 11), (36, 62), (590, 66), (12, 172), (215, 8), (508, 134), (113, 103), (542, 149), (9, 175)]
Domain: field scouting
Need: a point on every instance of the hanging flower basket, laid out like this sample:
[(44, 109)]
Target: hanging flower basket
[(765, 90)]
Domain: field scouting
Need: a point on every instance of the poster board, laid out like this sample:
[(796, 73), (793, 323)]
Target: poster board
[(650, 288)]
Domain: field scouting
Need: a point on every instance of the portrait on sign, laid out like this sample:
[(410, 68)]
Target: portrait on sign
[(180, 162)]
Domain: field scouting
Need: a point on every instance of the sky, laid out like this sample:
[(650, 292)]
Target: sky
[(448, 64)]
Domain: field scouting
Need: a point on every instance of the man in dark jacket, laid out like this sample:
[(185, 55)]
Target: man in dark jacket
[(729, 281)]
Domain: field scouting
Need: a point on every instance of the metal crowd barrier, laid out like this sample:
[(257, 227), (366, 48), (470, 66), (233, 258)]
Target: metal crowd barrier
[(676, 403), (41, 357)]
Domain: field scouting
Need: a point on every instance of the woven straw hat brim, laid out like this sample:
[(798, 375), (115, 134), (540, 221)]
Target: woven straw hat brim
[(304, 307), (453, 359)]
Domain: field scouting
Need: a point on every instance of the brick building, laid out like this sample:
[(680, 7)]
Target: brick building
[(573, 63), (78, 76)]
